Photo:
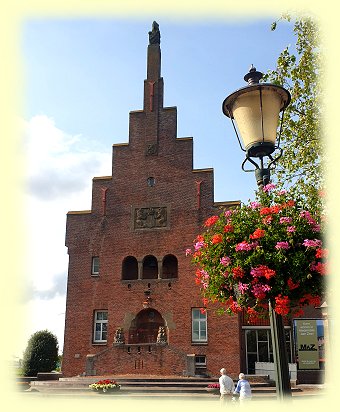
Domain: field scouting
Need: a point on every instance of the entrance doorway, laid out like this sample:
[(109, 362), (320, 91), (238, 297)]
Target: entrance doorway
[(144, 327), (259, 348)]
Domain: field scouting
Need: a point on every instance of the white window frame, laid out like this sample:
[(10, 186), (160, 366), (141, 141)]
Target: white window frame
[(199, 324), (200, 361), (95, 266), (270, 350), (100, 326)]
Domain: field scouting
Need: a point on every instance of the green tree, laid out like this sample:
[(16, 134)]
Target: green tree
[(41, 354), (300, 169)]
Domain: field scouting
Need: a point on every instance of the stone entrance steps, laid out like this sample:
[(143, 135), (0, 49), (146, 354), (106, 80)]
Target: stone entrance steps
[(146, 386)]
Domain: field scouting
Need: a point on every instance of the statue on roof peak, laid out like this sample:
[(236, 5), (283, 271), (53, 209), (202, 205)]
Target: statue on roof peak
[(155, 35)]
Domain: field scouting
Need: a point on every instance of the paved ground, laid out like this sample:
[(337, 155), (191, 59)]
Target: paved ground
[(303, 395), (303, 391)]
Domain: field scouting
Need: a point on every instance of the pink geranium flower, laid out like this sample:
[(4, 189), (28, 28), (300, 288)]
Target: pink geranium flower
[(285, 219), (259, 290), (312, 243), (198, 245), (242, 287), (245, 246), (282, 245), (269, 187), (225, 261)]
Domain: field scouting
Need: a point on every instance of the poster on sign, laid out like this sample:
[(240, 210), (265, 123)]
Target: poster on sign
[(307, 344)]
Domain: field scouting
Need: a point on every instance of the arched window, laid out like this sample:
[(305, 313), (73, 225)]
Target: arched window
[(150, 267), (144, 327), (170, 267), (130, 268)]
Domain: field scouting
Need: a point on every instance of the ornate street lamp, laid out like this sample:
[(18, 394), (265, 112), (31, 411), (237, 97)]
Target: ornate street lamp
[(256, 110)]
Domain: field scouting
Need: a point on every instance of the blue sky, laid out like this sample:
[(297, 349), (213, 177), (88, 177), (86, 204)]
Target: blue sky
[(81, 79), (88, 74)]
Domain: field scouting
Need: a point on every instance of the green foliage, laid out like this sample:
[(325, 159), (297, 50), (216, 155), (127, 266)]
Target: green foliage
[(41, 354), (299, 70)]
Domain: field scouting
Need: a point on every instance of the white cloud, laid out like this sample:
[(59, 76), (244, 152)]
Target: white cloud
[(60, 168), (59, 164), (41, 314)]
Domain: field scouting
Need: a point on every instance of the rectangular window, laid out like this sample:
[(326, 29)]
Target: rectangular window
[(200, 364), (259, 347), (100, 326), (199, 326), (95, 265)]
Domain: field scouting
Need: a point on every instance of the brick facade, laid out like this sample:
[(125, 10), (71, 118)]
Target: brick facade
[(152, 207)]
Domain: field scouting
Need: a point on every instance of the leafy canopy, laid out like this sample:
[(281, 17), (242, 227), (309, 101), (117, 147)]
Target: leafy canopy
[(299, 70), (41, 354)]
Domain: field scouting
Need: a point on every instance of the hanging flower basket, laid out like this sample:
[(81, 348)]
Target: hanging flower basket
[(105, 386), (270, 249)]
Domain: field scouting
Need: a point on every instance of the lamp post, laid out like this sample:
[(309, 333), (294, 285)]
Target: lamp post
[(256, 110)]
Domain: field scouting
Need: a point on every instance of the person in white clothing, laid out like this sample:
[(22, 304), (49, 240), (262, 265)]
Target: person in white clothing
[(226, 386), (243, 388)]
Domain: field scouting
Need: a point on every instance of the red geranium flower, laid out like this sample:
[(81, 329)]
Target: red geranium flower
[(211, 221), (238, 272), (258, 234), (292, 285), (228, 228), (282, 305), (265, 211), (321, 253), (218, 238)]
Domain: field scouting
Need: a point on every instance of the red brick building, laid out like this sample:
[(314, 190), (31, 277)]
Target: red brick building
[(127, 263), (132, 305)]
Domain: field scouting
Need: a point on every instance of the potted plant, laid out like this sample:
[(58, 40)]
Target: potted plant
[(105, 386)]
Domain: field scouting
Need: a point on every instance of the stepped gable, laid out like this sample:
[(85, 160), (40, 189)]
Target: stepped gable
[(127, 255)]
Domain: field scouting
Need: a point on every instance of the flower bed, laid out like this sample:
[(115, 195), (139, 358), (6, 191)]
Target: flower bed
[(213, 388), (105, 386)]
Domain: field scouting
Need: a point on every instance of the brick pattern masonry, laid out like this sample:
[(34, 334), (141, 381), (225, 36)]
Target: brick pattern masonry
[(151, 174)]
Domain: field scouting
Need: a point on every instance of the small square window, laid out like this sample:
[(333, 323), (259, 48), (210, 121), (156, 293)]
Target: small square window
[(200, 361)]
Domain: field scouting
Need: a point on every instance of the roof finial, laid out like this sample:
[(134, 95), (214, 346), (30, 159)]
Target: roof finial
[(253, 77), (155, 35)]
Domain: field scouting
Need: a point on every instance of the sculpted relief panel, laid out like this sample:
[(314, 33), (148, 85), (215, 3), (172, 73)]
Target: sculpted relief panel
[(150, 217)]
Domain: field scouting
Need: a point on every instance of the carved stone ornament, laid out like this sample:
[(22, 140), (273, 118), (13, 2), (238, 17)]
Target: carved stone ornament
[(150, 217), (119, 338), (161, 337), (151, 149), (155, 35)]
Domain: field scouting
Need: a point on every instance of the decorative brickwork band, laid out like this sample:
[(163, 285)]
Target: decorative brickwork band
[(104, 190), (198, 193), (150, 217), (152, 92)]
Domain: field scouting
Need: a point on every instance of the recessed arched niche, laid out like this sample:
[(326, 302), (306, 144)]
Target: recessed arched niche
[(169, 267), (130, 268), (150, 267)]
